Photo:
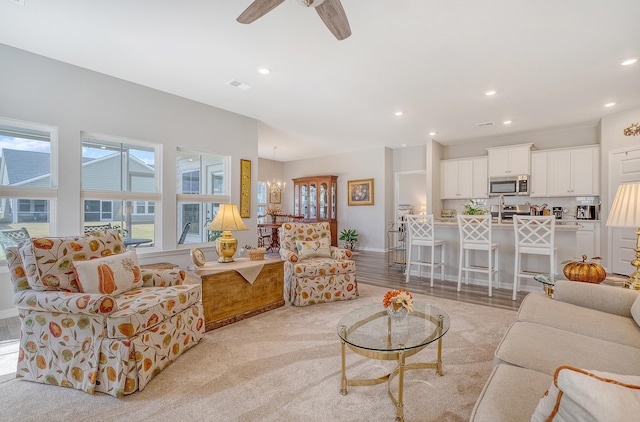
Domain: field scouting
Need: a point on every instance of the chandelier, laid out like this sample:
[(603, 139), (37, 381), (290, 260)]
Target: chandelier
[(275, 186)]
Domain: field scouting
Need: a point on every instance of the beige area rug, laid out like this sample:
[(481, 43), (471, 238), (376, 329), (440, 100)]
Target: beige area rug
[(284, 365)]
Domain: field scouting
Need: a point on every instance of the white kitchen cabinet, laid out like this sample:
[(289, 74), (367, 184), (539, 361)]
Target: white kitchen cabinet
[(463, 179), (588, 239), (539, 180), (574, 171), (509, 161)]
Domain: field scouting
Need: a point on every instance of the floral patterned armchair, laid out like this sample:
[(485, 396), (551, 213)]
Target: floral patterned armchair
[(92, 320), (314, 271)]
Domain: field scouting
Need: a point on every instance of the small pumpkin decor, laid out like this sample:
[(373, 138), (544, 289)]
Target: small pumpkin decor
[(586, 271)]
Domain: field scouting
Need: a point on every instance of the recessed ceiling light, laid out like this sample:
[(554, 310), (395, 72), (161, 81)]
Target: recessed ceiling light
[(609, 104), (506, 122), (629, 61), (490, 92), (432, 134), (404, 145), (398, 113), (264, 70)]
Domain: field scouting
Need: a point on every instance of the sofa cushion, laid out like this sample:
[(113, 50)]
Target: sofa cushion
[(541, 309), (511, 394), (113, 274), (320, 267), (145, 307), (48, 260), (544, 349), (610, 299), (16, 269), (576, 395), (314, 248), (635, 310)]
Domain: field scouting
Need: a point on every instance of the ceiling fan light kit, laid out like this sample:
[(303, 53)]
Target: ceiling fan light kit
[(330, 11)]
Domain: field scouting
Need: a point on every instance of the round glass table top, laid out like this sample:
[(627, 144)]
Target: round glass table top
[(371, 328), (549, 279)]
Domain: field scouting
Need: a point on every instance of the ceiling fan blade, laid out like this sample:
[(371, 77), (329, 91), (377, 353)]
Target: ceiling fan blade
[(257, 9), (332, 14)]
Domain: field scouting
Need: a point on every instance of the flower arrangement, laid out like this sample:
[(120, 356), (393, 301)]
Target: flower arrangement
[(398, 299), (274, 210)]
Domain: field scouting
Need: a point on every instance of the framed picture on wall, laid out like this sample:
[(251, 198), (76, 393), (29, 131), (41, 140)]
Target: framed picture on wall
[(245, 188), (275, 197), (360, 192)]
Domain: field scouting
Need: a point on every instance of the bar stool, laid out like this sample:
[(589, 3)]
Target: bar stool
[(534, 235), (475, 235), (421, 234)]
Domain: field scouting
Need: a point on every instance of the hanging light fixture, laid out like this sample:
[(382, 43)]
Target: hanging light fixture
[(275, 186)]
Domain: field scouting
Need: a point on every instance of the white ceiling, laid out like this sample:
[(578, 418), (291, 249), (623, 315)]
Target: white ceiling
[(554, 63)]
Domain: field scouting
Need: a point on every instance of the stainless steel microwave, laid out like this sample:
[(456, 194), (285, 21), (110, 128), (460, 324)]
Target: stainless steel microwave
[(509, 186)]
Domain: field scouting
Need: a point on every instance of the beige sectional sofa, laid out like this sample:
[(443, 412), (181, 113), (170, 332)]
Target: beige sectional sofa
[(585, 326)]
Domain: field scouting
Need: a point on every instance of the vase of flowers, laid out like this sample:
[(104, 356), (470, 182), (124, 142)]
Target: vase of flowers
[(273, 210), (398, 304)]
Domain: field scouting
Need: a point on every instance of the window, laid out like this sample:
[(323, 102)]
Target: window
[(262, 199), (28, 177), (120, 184), (203, 184)]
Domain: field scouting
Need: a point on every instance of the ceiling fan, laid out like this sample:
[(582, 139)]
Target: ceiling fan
[(330, 11)]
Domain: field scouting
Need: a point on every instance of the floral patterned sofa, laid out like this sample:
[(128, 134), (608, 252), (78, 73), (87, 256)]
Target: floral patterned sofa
[(92, 320), (314, 271)]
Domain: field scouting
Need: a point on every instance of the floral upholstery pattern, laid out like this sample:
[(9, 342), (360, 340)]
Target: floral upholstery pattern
[(113, 344), (315, 280)]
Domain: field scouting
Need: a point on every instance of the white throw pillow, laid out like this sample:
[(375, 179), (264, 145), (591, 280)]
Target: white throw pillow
[(320, 248), (112, 275), (578, 395)]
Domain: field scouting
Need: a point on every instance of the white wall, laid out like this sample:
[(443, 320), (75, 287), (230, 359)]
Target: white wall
[(37, 89), (548, 139), (374, 164)]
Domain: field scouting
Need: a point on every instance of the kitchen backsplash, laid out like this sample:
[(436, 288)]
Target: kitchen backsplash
[(568, 204)]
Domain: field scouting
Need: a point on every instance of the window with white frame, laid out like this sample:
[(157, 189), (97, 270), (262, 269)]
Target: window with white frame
[(203, 184), (120, 185), (261, 202), (28, 178)]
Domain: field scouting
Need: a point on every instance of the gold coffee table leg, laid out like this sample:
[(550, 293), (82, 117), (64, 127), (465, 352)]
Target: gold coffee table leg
[(400, 403), (439, 361), (343, 388)]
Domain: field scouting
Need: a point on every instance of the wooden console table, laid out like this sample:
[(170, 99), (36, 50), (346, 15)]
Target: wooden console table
[(227, 297)]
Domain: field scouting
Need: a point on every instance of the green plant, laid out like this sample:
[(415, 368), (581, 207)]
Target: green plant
[(473, 208), (349, 235), (211, 234)]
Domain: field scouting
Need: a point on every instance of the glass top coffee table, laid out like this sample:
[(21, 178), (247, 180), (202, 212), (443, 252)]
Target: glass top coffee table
[(370, 332)]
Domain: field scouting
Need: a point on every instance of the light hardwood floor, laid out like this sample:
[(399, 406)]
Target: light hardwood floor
[(372, 268)]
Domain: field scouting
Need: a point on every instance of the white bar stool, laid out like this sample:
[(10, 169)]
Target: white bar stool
[(534, 235), (421, 233), (475, 235)]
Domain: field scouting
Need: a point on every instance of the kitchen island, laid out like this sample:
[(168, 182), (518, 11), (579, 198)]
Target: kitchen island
[(503, 235)]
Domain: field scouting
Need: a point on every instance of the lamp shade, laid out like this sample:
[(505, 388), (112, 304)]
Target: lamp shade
[(625, 211), (228, 218)]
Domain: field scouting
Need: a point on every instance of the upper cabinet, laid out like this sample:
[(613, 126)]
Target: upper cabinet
[(539, 180), (463, 179), (509, 161), (574, 171)]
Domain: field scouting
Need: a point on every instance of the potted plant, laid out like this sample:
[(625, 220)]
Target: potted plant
[(473, 208), (350, 237)]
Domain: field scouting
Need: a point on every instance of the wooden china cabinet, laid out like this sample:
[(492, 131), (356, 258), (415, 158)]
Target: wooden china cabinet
[(315, 198)]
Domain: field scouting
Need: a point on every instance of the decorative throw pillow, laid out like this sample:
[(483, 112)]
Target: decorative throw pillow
[(635, 310), (112, 275), (578, 395), (313, 248)]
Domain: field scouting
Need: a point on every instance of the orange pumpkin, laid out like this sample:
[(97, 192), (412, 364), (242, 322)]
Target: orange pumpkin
[(588, 272)]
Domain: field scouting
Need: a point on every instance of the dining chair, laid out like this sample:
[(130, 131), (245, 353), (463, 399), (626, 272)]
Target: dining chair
[(533, 235), (420, 229), (476, 235)]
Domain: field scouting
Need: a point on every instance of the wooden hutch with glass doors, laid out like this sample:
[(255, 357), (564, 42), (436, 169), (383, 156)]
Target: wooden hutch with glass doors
[(315, 198)]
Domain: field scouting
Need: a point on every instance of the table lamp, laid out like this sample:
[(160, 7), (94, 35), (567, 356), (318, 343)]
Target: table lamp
[(625, 212), (227, 219)]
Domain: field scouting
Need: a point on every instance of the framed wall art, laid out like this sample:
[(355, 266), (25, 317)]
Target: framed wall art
[(275, 197), (245, 188), (360, 192)]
